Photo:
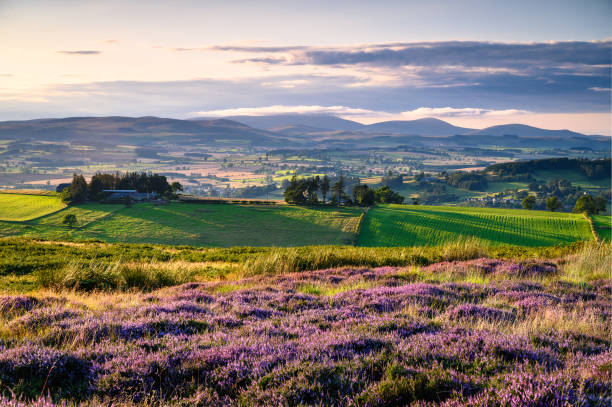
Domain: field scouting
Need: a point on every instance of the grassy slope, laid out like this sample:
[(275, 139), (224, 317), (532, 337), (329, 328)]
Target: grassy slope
[(199, 225), (405, 225), (20, 207), (603, 226)]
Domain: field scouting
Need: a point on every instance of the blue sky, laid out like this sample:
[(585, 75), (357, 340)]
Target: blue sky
[(473, 63)]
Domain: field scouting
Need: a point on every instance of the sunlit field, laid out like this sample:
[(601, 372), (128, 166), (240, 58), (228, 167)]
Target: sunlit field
[(20, 207), (405, 225)]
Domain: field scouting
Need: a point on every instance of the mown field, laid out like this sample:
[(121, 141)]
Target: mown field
[(407, 225), (218, 225), (20, 207), (458, 325), (603, 226)]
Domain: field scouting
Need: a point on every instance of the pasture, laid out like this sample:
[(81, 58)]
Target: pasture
[(210, 225), (603, 226), (21, 207), (407, 225)]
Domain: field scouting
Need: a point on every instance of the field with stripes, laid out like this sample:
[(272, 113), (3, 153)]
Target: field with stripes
[(226, 225), (406, 225)]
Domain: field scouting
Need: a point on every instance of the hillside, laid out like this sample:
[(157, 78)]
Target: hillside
[(308, 121), (425, 127), (137, 130), (522, 130)]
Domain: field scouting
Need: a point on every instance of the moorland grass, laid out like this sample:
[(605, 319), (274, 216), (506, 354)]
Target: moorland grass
[(27, 264), (23, 207), (409, 225)]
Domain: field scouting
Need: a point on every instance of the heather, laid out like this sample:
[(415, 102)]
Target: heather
[(479, 332)]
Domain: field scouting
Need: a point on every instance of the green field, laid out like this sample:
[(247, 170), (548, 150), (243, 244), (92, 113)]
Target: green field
[(406, 225), (603, 226), (225, 225), (217, 225), (20, 207)]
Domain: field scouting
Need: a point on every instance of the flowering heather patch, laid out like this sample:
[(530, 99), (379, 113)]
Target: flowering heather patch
[(339, 337), (496, 267)]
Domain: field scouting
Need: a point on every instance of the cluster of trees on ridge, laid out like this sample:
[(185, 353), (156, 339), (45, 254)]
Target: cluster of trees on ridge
[(80, 191), (586, 203), (304, 191), (591, 169)]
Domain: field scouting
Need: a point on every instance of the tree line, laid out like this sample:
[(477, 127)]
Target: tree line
[(305, 191), (592, 169), (80, 190)]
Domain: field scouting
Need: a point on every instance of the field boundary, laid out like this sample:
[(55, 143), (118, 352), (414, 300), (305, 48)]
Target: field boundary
[(593, 229), (360, 225)]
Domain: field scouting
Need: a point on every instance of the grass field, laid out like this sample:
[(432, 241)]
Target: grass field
[(603, 226), (405, 225), (20, 207), (217, 225)]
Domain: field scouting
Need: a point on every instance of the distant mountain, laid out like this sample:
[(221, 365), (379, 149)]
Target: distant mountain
[(293, 125), (139, 130), (523, 130), (319, 122), (423, 127)]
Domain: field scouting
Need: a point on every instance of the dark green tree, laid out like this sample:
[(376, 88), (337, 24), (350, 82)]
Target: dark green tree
[(78, 189), (338, 189), (553, 203), (363, 195), (586, 203), (324, 187), (69, 219), (387, 195), (528, 202)]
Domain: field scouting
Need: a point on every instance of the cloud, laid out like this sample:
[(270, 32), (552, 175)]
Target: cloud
[(80, 52), (598, 89), (282, 109), (357, 113), (572, 54), (446, 112)]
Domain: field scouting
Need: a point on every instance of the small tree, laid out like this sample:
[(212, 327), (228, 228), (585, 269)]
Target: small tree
[(176, 187), (363, 195), (338, 189), (586, 203), (324, 187), (78, 189), (415, 200), (69, 219), (553, 203), (528, 202)]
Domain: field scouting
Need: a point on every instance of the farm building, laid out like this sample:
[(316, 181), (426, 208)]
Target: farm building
[(118, 194)]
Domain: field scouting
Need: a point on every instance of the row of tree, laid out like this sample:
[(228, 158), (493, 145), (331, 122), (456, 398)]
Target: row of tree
[(80, 191), (586, 203), (592, 169), (305, 191)]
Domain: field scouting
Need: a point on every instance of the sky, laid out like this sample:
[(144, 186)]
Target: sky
[(471, 63)]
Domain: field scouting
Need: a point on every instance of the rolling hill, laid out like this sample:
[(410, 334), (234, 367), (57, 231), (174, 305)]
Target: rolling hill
[(522, 130), (135, 129), (425, 127)]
